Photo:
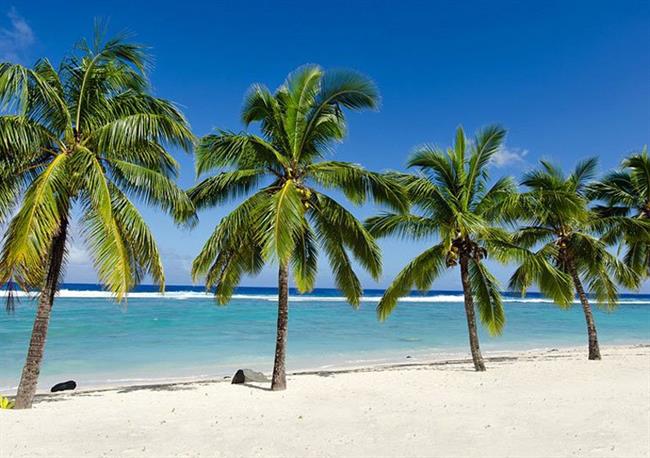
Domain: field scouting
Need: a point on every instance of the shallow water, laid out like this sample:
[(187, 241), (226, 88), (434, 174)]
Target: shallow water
[(184, 334)]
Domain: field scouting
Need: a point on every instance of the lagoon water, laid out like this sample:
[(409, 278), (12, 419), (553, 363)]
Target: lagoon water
[(184, 334)]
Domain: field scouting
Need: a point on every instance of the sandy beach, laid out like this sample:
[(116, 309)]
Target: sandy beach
[(546, 403)]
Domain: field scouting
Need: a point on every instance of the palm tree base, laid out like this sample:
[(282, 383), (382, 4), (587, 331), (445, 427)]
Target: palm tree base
[(280, 386), (594, 354)]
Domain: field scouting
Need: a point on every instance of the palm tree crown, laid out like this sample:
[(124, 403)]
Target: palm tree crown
[(457, 204), (87, 133), (565, 232), (284, 216), (626, 193)]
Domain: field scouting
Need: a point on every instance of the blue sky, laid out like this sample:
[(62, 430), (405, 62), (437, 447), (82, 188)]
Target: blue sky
[(567, 79)]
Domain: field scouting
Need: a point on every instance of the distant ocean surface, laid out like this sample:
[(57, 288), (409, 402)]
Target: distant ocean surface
[(184, 334)]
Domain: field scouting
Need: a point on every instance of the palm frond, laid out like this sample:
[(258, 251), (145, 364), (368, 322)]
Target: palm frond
[(435, 163), (45, 204), (232, 230), (286, 219), (584, 171), (304, 260), (344, 277), (351, 232), (302, 87), (338, 88), (358, 184), (487, 143), (153, 188), (227, 149), (537, 268), (224, 186), (489, 303), (420, 272), (104, 236), (405, 226), (138, 237)]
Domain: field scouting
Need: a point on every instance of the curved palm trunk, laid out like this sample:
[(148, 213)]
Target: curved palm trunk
[(32, 369), (594, 348), (479, 365), (279, 380)]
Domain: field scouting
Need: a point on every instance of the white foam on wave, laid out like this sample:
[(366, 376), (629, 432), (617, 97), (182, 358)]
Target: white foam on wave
[(187, 295), (91, 294)]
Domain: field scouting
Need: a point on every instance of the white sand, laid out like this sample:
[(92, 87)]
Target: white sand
[(542, 404)]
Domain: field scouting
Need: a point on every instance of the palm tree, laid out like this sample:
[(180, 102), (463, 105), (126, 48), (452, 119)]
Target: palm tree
[(626, 193), (459, 206), (284, 216), (86, 135), (564, 232)]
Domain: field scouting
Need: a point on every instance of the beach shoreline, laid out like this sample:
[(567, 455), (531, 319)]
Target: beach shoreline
[(551, 403), (415, 358), (418, 358)]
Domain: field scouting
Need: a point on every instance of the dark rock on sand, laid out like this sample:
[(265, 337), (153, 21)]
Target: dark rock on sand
[(64, 386), (248, 375)]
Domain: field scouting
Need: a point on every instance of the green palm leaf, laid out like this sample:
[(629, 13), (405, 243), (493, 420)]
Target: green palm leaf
[(30, 231), (304, 260), (420, 272), (286, 220), (626, 194), (350, 232), (488, 297)]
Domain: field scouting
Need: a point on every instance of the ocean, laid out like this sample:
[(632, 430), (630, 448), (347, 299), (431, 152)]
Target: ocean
[(186, 335)]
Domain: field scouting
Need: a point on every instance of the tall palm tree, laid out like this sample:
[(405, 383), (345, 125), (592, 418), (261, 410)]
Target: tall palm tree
[(626, 192), (86, 136), (285, 214), (564, 233), (456, 203)]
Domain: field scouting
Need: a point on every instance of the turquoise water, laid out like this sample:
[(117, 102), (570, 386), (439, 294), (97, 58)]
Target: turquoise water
[(184, 334)]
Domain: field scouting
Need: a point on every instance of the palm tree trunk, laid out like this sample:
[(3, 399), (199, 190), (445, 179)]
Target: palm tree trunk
[(479, 365), (32, 369), (594, 348), (279, 380)]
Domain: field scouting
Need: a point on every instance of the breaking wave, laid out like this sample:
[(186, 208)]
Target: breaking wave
[(314, 297)]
